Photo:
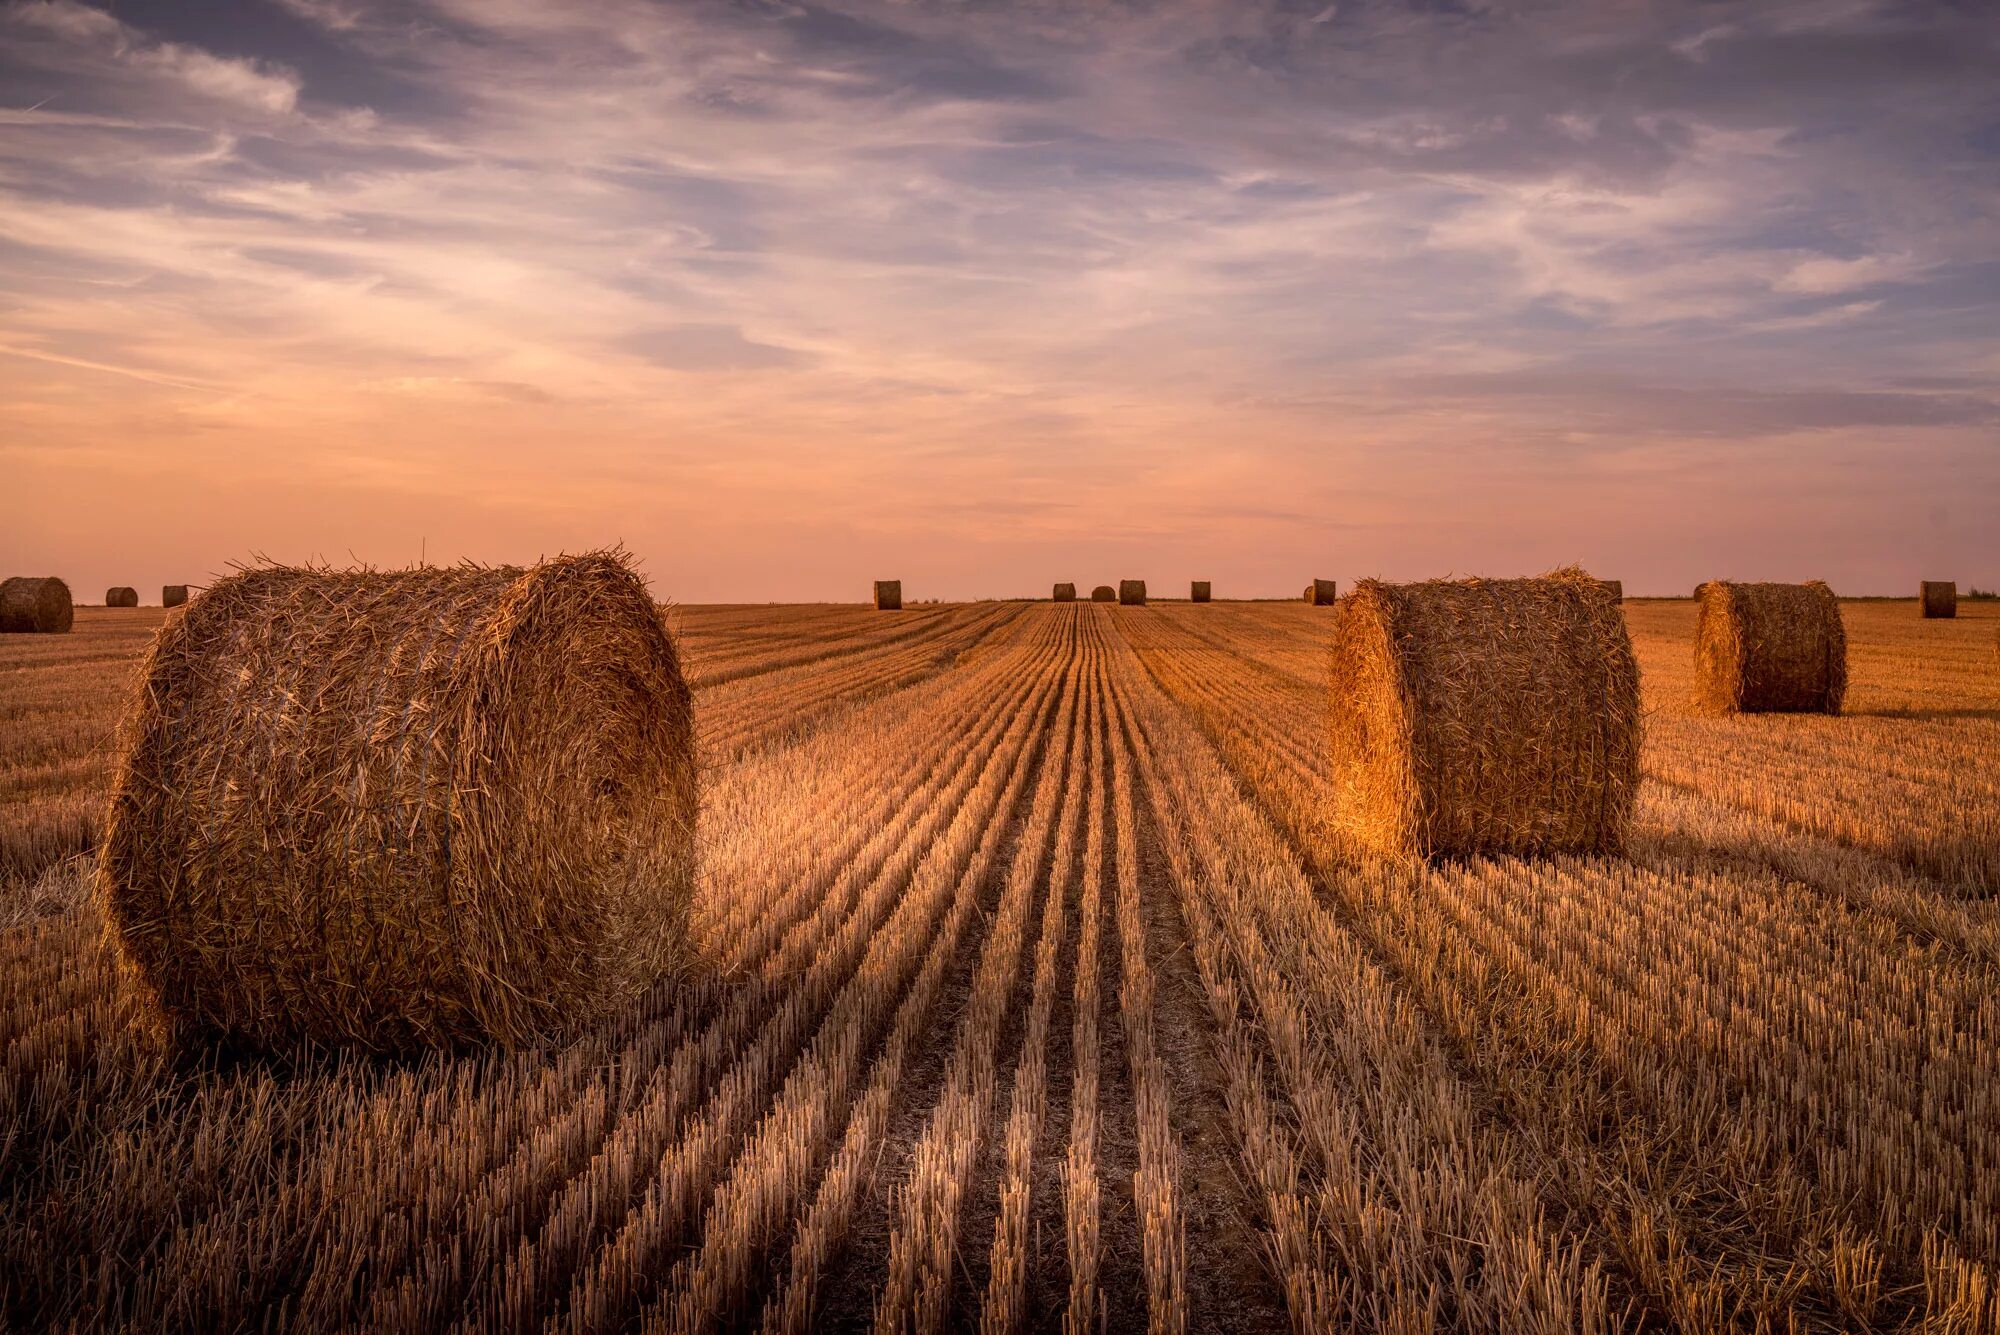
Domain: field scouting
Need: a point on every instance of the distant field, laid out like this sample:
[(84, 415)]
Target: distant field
[(1034, 998)]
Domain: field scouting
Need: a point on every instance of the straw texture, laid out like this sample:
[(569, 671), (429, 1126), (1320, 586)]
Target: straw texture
[(402, 810), (1939, 598), (1769, 648), (1483, 716), (888, 595), (30, 605)]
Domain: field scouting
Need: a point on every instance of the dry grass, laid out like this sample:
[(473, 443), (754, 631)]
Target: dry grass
[(1032, 990), (1769, 648), (35, 606), (1483, 716), (405, 809)]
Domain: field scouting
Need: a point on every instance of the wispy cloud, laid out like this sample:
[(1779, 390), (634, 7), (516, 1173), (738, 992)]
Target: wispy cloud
[(1162, 277)]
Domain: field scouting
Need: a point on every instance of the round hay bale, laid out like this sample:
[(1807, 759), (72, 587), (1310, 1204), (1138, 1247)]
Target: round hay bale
[(1483, 716), (1769, 648), (173, 595), (404, 810), (1939, 598), (34, 605), (121, 596), (888, 595), (1322, 593), (1065, 593), (1198, 591), (1132, 593), (1104, 593)]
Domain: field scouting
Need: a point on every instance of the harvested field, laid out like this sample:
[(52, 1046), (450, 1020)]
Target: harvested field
[(1034, 992)]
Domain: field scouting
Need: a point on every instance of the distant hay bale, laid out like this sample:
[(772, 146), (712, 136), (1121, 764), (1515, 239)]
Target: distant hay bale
[(1483, 716), (1198, 591), (1322, 593), (1940, 599), (1132, 593), (888, 595), (173, 595), (122, 596), (1065, 593), (1769, 648), (1104, 593), (402, 810), (32, 605)]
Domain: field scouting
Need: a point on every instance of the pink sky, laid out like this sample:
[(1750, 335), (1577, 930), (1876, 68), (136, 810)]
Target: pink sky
[(789, 300)]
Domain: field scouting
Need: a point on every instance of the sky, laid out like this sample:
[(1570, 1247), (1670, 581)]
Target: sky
[(983, 296)]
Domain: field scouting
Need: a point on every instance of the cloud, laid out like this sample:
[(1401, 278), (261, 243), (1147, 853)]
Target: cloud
[(1824, 275), (1013, 250), (89, 39), (708, 347)]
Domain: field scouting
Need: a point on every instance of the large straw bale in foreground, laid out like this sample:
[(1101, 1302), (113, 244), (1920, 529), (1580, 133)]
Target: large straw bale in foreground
[(888, 595), (1198, 591), (1104, 593), (1769, 648), (1065, 593), (1939, 599), (122, 595), (1322, 593), (173, 595), (34, 605), (1614, 587), (1132, 592), (1483, 716), (405, 809)]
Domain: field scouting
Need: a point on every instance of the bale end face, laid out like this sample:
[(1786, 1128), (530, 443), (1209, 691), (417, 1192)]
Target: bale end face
[(1198, 591), (405, 810), (1769, 648), (173, 595), (1939, 599), (121, 596), (1322, 593), (1065, 593), (1104, 593), (1473, 717), (888, 595), (35, 605), (1132, 592)]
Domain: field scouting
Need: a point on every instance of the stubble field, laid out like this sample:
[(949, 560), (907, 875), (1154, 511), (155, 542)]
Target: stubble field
[(1032, 994)]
